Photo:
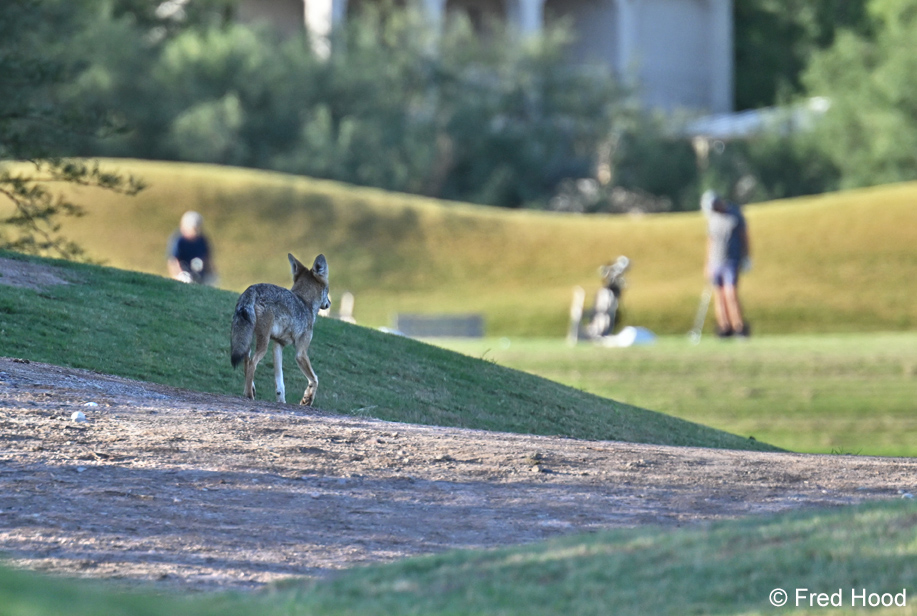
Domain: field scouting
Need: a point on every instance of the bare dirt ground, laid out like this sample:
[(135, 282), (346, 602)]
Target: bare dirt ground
[(28, 275), (204, 492)]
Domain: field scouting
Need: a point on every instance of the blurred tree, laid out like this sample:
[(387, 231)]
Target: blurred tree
[(651, 161), (774, 40), (367, 114), (35, 125), (870, 130), (492, 121), (517, 119), (489, 118)]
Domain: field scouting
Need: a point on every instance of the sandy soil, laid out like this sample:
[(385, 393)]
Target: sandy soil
[(204, 492)]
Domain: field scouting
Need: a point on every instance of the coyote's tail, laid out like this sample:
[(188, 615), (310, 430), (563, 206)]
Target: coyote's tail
[(243, 327)]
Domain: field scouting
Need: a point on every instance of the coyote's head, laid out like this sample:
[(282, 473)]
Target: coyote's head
[(311, 284)]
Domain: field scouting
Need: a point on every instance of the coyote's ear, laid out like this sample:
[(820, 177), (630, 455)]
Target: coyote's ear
[(320, 268), (295, 266)]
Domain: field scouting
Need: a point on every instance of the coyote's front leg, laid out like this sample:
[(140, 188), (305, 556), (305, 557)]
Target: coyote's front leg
[(280, 390)]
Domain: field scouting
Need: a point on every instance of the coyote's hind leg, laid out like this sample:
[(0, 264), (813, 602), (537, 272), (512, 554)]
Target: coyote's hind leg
[(302, 358)]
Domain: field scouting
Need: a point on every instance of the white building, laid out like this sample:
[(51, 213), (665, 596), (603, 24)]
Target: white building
[(678, 53)]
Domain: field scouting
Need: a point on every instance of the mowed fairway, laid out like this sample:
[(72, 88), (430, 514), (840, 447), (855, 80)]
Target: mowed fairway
[(835, 263), (844, 393)]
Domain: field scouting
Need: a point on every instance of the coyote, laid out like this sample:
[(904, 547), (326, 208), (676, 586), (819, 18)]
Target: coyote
[(267, 312)]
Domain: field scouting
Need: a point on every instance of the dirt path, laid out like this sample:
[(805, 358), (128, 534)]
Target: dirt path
[(200, 491)]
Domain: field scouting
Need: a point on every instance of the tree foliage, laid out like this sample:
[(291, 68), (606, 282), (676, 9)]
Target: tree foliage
[(495, 119), (774, 40), (34, 225), (34, 124), (499, 121), (870, 130)]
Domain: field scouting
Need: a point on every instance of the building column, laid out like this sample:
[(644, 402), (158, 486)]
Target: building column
[(721, 56), (435, 12), (625, 37), (322, 17), (527, 16)]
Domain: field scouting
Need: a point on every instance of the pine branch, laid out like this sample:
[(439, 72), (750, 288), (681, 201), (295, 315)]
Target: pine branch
[(34, 225)]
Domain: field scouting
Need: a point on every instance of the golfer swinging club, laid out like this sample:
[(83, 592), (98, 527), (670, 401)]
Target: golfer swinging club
[(727, 254)]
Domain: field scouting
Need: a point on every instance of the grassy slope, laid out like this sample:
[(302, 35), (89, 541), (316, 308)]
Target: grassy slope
[(154, 329), (729, 568), (848, 393), (725, 568), (835, 263)]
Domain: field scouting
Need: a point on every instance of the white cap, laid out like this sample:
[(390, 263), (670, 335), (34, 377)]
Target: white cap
[(191, 222)]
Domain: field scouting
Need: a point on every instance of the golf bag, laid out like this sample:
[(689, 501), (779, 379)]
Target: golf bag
[(606, 313)]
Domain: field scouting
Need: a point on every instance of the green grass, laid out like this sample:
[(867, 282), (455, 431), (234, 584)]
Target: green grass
[(728, 568), (154, 329), (839, 263), (841, 393), (29, 594), (723, 568), (835, 263)]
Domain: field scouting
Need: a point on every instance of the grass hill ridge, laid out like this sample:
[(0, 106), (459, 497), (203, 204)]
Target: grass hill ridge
[(834, 263)]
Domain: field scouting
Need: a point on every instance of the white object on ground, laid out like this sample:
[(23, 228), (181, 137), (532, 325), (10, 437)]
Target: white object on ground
[(629, 336)]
